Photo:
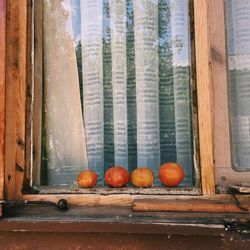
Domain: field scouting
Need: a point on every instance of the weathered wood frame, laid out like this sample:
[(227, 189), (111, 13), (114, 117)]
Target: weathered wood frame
[(2, 96), (224, 171), (16, 92), (17, 70), (213, 103), (204, 94)]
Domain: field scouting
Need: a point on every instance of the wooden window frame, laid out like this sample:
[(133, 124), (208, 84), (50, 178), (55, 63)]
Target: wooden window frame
[(16, 92), (37, 123), (2, 94), (224, 172)]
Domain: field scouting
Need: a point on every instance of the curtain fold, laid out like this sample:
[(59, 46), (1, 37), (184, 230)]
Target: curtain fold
[(92, 65), (181, 82), (147, 80), (119, 80), (65, 139), (108, 90), (131, 87), (166, 86)]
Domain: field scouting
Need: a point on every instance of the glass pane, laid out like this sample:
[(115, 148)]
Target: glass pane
[(117, 87), (238, 29)]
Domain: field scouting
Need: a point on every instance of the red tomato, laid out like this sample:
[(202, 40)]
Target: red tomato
[(171, 174), (117, 177), (87, 179), (142, 177)]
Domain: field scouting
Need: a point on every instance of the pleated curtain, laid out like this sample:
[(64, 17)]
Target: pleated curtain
[(136, 99)]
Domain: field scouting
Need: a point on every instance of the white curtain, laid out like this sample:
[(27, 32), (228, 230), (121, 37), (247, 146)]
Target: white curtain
[(181, 82), (64, 133), (119, 80), (92, 65), (238, 20), (135, 86), (147, 79)]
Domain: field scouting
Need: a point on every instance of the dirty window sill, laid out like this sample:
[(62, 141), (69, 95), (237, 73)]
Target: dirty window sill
[(107, 219)]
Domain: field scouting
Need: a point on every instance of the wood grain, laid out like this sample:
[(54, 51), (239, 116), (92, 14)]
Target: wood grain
[(12, 85), (2, 93), (205, 95), (85, 199), (211, 86), (215, 205), (222, 153), (15, 97), (21, 98), (206, 203)]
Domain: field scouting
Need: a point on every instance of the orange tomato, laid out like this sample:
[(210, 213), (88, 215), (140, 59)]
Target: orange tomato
[(87, 179), (117, 177), (171, 174), (142, 177)]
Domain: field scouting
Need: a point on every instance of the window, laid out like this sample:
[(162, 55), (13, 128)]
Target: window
[(117, 87), (223, 59), (238, 18), (24, 106)]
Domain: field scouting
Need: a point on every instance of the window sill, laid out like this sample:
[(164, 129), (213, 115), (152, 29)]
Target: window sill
[(222, 203), (117, 214), (127, 190), (108, 219)]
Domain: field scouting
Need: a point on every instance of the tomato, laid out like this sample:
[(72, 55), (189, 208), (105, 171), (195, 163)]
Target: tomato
[(117, 177), (171, 174), (87, 179), (142, 177)]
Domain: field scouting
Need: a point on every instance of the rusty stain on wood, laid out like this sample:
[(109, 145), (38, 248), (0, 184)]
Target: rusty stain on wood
[(217, 56)]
